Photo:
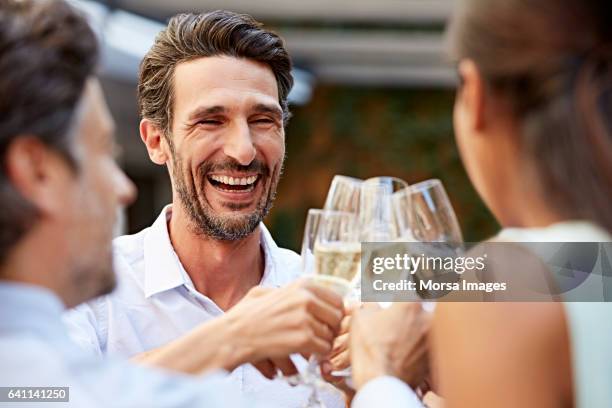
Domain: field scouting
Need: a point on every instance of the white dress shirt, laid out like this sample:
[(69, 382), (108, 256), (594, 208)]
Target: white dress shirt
[(156, 302)]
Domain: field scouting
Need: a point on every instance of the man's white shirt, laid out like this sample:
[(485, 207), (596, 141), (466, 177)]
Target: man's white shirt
[(156, 302)]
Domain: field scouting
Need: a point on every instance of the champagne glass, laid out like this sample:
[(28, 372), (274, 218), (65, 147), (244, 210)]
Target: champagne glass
[(433, 217), (344, 194), (337, 254), (378, 218), (341, 221), (378, 222), (433, 220), (384, 211), (313, 219), (337, 251)]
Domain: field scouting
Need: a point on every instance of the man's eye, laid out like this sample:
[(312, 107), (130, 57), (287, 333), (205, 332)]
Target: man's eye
[(264, 121), (210, 122)]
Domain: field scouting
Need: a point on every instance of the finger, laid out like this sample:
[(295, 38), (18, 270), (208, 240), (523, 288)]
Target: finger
[(285, 365), (326, 370), (266, 368), (322, 331), (323, 311), (317, 346), (326, 295), (305, 342), (345, 325), (340, 344), (341, 361)]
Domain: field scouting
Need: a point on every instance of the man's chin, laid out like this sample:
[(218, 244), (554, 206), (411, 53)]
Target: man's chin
[(91, 283), (104, 283), (108, 285), (227, 220), (233, 227), (234, 213)]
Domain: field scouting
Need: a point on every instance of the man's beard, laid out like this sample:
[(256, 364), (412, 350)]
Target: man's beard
[(93, 276), (204, 219)]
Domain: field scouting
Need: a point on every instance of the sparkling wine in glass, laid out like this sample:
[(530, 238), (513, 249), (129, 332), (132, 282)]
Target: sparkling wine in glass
[(321, 258), (337, 252)]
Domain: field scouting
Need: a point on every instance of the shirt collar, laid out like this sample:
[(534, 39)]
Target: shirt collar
[(163, 270), (270, 250)]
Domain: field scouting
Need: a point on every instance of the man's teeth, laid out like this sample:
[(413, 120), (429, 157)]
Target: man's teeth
[(234, 181)]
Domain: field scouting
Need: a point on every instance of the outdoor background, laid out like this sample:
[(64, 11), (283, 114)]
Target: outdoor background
[(374, 95), (369, 132)]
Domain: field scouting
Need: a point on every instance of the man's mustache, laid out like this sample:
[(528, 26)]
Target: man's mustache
[(256, 166)]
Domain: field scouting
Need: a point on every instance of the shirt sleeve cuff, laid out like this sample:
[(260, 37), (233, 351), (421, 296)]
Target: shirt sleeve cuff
[(386, 392)]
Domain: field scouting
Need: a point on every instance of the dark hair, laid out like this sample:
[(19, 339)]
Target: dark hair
[(551, 60), (47, 52), (191, 36)]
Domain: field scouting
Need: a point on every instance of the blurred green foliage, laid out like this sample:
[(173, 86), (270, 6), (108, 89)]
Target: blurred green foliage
[(366, 132)]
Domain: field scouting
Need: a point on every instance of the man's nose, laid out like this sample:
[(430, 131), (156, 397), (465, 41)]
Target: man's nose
[(239, 144), (124, 187)]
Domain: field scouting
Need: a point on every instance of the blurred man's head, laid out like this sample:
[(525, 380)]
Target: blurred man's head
[(213, 97), (59, 184)]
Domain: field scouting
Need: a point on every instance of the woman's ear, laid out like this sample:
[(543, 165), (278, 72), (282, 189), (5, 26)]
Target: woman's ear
[(152, 136)]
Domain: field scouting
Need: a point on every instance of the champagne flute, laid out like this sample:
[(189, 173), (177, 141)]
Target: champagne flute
[(344, 194), (433, 217), (337, 251), (322, 228), (337, 254), (315, 218), (433, 220), (379, 220), (384, 214)]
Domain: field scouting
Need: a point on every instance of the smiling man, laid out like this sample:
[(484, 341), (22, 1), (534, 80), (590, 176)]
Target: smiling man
[(213, 100), (225, 147)]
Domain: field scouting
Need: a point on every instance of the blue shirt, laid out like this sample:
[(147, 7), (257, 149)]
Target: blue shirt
[(35, 351)]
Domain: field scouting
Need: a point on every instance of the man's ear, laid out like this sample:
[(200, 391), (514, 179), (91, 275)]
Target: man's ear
[(153, 138), (40, 174), (472, 94)]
